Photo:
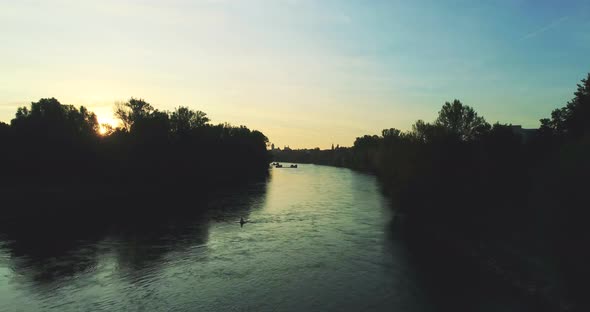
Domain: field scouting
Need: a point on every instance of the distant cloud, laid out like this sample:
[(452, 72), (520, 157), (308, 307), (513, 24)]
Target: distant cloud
[(545, 28)]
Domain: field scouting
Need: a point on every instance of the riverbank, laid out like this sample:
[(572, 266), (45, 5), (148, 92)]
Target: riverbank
[(119, 199), (521, 263), (500, 266)]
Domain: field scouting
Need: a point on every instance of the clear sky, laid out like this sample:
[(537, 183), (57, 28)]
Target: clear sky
[(305, 72)]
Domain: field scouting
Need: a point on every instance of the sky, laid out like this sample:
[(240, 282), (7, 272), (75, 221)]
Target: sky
[(307, 73)]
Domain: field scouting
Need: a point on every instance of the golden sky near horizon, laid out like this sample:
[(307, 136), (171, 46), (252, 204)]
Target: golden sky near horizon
[(306, 73)]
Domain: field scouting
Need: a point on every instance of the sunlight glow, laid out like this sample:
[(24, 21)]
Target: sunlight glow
[(104, 122), (306, 73)]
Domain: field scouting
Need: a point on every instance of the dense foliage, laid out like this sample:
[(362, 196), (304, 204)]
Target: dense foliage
[(527, 188), (50, 144)]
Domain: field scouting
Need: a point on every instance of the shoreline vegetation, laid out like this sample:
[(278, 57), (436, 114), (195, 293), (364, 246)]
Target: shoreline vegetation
[(512, 201), (56, 154), (517, 196)]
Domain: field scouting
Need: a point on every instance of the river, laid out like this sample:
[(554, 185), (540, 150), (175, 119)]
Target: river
[(318, 239)]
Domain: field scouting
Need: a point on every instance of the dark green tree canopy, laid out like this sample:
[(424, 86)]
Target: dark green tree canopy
[(48, 117), (367, 141), (141, 119), (4, 130), (391, 133), (573, 120), (48, 141), (461, 120), (184, 119), (427, 133), (259, 138), (132, 111)]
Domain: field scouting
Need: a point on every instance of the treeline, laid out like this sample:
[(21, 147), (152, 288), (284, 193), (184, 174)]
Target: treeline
[(472, 170), (339, 157), (487, 182), (479, 177), (53, 145)]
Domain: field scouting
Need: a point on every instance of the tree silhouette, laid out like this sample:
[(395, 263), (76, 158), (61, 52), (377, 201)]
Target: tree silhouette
[(573, 120), (132, 111), (49, 118), (49, 141), (428, 133), (391, 133), (4, 128), (106, 129), (512, 188), (461, 120), (184, 119)]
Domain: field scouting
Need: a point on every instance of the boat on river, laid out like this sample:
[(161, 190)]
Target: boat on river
[(278, 165)]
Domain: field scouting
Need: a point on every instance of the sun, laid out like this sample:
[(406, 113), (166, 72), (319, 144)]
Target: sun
[(103, 129), (106, 124)]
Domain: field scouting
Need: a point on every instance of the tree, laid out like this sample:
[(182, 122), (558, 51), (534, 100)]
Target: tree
[(573, 120), (426, 132), (106, 129), (88, 121), (184, 119), (49, 118), (4, 127), (461, 120), (391, 133), (132, 111), (153, 127), (259, 139), (366, 141), (577, 111), (4, 131)]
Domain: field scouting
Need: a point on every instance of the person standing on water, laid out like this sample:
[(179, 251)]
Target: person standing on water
[(242, 222)]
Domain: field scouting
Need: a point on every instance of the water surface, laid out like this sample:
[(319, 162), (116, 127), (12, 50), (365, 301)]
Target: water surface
[(318, 239)]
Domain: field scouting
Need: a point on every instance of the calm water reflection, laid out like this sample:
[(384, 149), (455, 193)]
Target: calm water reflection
[(319, 239)]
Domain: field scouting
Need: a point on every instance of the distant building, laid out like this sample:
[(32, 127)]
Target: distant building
[(525, 134)]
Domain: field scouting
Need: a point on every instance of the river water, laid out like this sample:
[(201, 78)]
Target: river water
[(318, 239)]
